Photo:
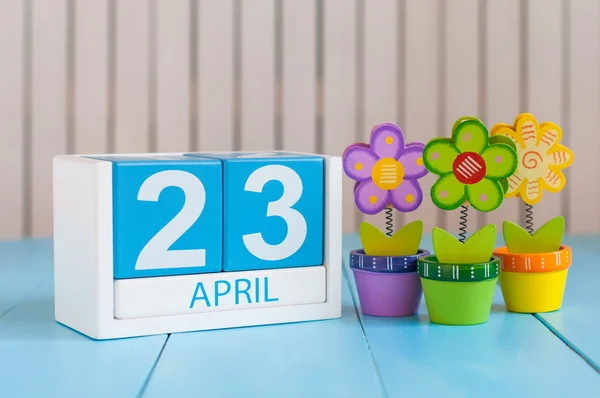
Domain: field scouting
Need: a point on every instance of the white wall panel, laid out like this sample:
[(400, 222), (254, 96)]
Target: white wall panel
[(421, 92), (132, 76), (91, 72), (258, 75), (172, 76), (299, 73), (502, 85), (49, 105), (215, 75), (339, 91), (380, 66), (461, 81), (581, 136), (544, 86), (12, 205)]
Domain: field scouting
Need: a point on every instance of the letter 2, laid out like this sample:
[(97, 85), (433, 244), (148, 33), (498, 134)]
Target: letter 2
[(156, 253)]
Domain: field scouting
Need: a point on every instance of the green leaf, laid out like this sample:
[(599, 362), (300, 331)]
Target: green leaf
[(404, 242), (477, 248), (546, 239)]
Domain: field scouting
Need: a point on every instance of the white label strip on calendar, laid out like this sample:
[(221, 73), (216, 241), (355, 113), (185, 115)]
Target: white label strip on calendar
[(221, 291)]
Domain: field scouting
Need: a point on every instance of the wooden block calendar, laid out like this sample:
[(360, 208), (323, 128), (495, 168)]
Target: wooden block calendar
[(165, 243)]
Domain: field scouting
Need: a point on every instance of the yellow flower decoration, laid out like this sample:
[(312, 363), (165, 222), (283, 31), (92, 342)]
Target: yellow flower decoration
[(541, 157)]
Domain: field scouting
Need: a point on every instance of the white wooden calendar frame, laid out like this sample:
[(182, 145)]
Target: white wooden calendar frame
[(83, 265)]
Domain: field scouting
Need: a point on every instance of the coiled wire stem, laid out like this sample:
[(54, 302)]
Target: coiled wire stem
[(463, 224), (529, 218), (389, 221)]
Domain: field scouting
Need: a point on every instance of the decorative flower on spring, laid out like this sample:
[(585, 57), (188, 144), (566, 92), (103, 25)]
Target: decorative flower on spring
[(386, 171), (472, 167), (541, 157)]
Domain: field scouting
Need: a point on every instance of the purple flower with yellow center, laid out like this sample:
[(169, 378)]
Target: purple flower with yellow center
[(386, 171)]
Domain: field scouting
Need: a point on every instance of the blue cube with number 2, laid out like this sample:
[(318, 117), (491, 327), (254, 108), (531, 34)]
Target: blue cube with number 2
[(273, 210), (167, 215)]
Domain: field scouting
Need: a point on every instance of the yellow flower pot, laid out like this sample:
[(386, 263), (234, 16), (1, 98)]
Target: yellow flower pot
[(533, 282)]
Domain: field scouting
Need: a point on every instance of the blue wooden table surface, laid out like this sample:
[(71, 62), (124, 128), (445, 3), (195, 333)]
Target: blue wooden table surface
[(550, 355)]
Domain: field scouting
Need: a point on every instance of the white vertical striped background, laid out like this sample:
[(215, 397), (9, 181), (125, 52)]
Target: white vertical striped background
[(313, 76)]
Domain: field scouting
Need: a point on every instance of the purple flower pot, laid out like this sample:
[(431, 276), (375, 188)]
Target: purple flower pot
[(387, 286)]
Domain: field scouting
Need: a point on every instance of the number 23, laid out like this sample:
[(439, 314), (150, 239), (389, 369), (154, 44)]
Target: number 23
[(155, 253)]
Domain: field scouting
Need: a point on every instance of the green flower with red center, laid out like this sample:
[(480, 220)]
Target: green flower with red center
[(472, 166)]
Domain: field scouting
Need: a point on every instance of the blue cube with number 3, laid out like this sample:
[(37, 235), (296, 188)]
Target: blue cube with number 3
[(273, 210), (167, 215)]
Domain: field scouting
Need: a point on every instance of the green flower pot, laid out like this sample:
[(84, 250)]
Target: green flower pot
[(458, 294)]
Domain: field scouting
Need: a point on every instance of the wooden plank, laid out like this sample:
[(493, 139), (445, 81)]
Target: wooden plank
[(270, 361), (172, 76), (215, 75), (91, 76), (421, 92), (339, 92), (25, 266), (71, 363), (380, 63), (49, 105), (258, 75), (132, 78), (583, 212), (11, 119), (544, 91), (502, 90), (575, 322), (461, 82), (463, 361), (299, 73)]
